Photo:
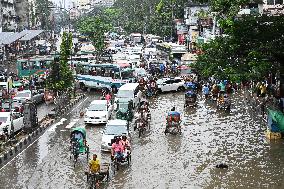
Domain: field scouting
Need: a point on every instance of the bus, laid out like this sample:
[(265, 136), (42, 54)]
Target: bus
[(36, 65), (98, 76)]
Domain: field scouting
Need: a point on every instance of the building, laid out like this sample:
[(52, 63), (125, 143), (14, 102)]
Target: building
[(270, 7), (254, 7), (22, 11), (273, 7), (199, 23), (106, 3), (8, 16)]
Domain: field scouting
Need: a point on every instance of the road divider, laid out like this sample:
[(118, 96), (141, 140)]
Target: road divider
[(45, 123)]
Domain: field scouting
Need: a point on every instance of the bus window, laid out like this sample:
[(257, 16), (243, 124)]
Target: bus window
[(42, 64), (32, 64), (47, 63), (25, 66), (36, 65)]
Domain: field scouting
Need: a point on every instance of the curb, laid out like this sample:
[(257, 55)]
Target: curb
[(20, 146)]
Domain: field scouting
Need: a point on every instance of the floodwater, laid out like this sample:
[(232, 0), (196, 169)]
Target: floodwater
[(161, 161)]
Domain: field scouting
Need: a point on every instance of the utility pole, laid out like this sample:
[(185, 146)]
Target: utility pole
[(1, 17)]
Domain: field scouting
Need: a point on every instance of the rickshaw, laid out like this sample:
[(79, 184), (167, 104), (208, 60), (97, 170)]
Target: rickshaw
[(102, 175), (124, 109), (122, 160), (173, 124), (223, 102), (190, 99), (78, 144)]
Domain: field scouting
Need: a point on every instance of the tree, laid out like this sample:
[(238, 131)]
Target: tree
[(251, 49), (95, 28), (60, 77), (42, 12)]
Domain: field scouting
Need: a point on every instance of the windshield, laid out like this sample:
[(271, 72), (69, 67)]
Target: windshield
[(14, 104), (123, 106), (97, 107), (124, 94), (126, 74), (3, 119), (26, 94), (115, 130)]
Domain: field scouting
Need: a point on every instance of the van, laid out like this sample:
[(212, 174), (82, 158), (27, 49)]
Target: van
[(129, 91)]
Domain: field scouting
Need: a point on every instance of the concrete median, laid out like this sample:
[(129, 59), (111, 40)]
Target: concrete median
[(44, 123)]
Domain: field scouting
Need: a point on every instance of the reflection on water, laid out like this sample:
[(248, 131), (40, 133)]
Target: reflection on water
[(209, 137), (163, 161)]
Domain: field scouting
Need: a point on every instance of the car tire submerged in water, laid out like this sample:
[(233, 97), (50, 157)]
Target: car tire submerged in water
[(179, 89)]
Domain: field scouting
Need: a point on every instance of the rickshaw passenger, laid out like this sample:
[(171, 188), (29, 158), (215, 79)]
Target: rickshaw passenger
[(125, 142), (205, 90), (117, 149)]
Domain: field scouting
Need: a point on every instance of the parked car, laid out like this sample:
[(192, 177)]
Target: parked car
[(5, 122), (25, 95), (114, 128), (170, 84), (98, 112)]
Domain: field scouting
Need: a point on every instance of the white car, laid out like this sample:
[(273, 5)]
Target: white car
[(170, 84), (113, 128), (5, 122), (25, 95), (98, 112)]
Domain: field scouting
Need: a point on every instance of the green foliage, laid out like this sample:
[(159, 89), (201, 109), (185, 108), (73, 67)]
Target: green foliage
[(60, 77), (153, 16), (252, 48), (42, 12), (95, 28)]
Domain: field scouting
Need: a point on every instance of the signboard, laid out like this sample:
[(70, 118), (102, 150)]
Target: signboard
[(194, 36)]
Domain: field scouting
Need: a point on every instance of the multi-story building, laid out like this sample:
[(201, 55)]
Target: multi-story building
[(22, 11), (8, 16), (273, 7)]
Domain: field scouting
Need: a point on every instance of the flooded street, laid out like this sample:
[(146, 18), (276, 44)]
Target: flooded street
[(161, 161)]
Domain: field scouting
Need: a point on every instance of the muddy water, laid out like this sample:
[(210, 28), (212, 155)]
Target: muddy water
[(158, 161), (209, 137)]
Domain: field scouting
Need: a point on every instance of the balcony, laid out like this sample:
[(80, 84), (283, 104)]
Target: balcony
[(252, 11)]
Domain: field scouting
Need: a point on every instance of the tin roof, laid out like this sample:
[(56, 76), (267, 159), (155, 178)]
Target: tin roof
[(7, 38), (30, 34)]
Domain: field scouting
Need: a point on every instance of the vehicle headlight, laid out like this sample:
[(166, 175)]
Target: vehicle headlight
[(87, 116)]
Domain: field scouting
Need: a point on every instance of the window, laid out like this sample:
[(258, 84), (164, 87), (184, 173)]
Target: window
[(97, 107), (169, 82), (42, 64), (25, 66), (124, 94), (270, 2), (177, 81), (274, 2)]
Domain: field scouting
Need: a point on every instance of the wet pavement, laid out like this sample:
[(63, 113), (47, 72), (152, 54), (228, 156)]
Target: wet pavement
[(161, 161)]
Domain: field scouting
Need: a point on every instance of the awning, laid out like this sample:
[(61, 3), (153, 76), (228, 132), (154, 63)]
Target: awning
[(7, 38), (30, 34)]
